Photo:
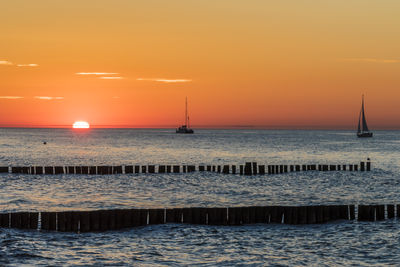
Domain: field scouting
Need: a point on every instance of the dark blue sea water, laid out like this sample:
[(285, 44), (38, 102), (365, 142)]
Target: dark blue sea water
[(341, 243)]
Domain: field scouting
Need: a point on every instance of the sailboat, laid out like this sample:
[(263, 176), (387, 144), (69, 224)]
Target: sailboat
[(362, 123), (185, 129)]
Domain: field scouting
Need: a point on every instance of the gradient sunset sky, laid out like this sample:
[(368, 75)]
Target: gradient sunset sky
[(127, 63)]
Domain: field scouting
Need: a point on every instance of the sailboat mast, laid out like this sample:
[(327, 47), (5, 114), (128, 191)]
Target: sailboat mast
[(186, 115)]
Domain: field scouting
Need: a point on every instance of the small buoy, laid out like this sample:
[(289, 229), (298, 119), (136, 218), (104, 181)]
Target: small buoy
[(44, 143)]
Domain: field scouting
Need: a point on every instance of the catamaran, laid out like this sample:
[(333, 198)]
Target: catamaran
[(362, 123), (185, 129)]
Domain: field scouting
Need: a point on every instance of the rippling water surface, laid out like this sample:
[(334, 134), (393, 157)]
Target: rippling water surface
[(329, 244)]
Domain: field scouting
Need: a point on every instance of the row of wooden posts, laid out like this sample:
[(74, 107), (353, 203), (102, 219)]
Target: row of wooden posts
[(250, 168), (104, 220)]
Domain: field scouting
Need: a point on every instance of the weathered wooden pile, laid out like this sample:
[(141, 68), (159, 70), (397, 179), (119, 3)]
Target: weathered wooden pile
[(249, 168), (105, 220)]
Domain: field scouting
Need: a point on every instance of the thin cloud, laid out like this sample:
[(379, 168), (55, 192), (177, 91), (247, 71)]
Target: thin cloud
[(371, 60), (49, 97), (111, 78), (165, 80), (5, 62), (11, 97), (27, 65), (96, 73)]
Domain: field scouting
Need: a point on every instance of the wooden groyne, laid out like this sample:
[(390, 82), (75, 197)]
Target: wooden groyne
[(105, 220), (249, 168)]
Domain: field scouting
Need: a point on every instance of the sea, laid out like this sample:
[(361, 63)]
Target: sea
[(331, 244)]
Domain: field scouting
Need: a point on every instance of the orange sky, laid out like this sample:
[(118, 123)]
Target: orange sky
[(265, 63)]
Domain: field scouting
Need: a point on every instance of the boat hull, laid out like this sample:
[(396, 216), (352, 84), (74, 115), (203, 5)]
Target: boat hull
[(190, 131), (364, 134)]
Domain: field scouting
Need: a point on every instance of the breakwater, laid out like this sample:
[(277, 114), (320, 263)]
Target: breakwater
[(249, 168), (105, 220)]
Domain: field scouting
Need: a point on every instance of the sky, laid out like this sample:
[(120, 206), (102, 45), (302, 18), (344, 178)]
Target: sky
[(260, 63)]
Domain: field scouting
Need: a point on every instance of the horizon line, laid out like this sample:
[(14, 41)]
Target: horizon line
[(233, 127)]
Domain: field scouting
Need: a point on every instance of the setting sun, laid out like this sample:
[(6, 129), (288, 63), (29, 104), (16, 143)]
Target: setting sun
[(80, 125)]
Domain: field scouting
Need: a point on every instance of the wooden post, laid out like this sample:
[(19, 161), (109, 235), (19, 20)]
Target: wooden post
[(187, 215), (201, 168), (85, 170), (49, 170), (255, 168), (174, 215), (104, 220), (59, 170), (48, 220), (156, 216), (380, 212), (129, 169), (366, 213), (261, 169), (303, 214), (38, 170), (217, 216), (332, 167), (297, 168), (168, 168), (84, 219), (92, 170), (226, 169), (362, 166), (3, 169), (199, 215), (191, 168), (351, 167), (161, 169), (344, 167), (94, 220), (16, 220), (233, 169), (144, 169), (247, 168), (390, 211), (176, 168), (219, 168), (71, 170), (4, 220), (152, 168), (241, 169), (184, 168), (304, 167), (208, 168), (368, 165), (137, 168), (291, 168), (117, 169), (339, 167), (285, 168), (78, 170), (311, 214), (276, 214), (352, 209), (33, 220), (235, 216)]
